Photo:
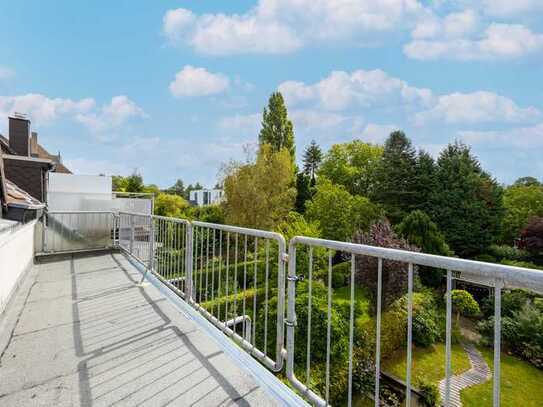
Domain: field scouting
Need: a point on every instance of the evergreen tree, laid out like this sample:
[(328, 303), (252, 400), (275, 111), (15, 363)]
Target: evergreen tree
[(277, 129), (395, 186), (178, 188), (467, 205), (424, 183), (312, 159), (303, 191)]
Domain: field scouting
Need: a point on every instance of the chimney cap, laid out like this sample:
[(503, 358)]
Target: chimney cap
[(20, 116)]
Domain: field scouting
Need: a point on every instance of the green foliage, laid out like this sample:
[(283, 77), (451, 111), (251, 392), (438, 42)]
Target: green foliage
[(338, 212), (523, 264), (505, 252), (352, 165), (177, 189), (132, 183), (464, 303), (468, 205), (522, 202), (522, 325), (527, 182), (261, 194), (207, 213), (303, 191), (170, 205), (277, 129), (395, 188), (485, 257), (312, 159), (418, 229), (429, 391)]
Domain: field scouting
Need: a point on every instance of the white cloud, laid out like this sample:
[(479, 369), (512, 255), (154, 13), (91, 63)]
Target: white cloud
[(523, 137), (476, 107), (498, 41), (504, 8), (84, 166), (6, 73), (453, 25), (342, 90), (249, 122), (282, 26), (308, 119), (377, 133), (193, 81), (112, 115), (42, 109)]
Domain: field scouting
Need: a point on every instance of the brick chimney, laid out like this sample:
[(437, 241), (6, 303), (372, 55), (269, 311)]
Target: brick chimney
[(19, 135)]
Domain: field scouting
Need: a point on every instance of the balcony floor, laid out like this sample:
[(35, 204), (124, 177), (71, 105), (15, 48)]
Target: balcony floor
[(84, 333)]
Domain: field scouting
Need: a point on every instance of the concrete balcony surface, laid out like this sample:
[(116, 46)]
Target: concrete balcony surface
[(82, 332)]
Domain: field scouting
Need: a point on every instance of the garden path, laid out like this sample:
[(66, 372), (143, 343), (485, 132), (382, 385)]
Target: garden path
[(479, 373)]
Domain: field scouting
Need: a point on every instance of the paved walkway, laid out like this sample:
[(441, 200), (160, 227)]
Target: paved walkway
[(83, 333), (479, 373)]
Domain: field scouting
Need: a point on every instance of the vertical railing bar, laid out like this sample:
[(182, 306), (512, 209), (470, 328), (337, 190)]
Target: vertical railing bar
[(266, 297), (497, 342), (329, 326), (244, 286), (409, 332), (378, 331), (351, 334), (207, 265), (202, 232), (219, 285), (227, 277), (213, 272), (236, 279), (255, 285), (448, 333), (309, 311)]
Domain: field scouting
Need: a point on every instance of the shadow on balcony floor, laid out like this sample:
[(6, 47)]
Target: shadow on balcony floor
[(87, 335)]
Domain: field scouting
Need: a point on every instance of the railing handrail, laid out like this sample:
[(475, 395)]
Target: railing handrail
[(511, 276)]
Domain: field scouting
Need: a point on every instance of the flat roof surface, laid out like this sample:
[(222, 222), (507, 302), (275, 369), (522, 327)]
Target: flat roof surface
[(84, 333)]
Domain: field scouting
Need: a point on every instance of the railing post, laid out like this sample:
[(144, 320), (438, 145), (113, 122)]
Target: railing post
[(151, 243), (44, 232), (131, 235), (189, 261), (290, 322)]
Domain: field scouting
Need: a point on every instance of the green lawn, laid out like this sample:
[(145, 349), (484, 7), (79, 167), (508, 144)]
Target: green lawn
[(521, 384), (342, 296), (428, 362)]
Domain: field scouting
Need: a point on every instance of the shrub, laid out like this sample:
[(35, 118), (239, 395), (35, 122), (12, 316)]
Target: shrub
[(425, 328), (524, 264), (487, 258), (429, 392), (502, 252), (464, 304), (531, 237)]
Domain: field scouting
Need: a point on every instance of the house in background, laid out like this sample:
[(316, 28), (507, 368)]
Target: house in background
[(26, 163), (202, 197)]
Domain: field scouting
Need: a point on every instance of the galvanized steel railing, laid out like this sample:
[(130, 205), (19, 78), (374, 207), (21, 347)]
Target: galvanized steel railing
[(233, 275)]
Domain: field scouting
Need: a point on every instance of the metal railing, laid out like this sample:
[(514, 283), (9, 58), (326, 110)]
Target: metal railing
[(236, 278)]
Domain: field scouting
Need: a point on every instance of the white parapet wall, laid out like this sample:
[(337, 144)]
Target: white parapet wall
[(16, 259)]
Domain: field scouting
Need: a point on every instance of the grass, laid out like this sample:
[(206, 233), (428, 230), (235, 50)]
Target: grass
[(521, 384), (342, 297), (427, 362)]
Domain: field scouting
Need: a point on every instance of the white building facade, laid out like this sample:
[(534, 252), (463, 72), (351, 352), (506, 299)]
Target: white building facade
[(202, 197)]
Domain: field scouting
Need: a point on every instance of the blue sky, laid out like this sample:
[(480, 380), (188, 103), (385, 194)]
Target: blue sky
[(175, 89)]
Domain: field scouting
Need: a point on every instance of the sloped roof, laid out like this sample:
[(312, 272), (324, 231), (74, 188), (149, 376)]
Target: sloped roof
[(18, 198)]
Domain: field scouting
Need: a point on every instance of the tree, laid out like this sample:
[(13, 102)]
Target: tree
[(312, 159), (261, 194), (338, 212), (467, 206), (464, 304), (170, 205), (531, 238), (419, 230), (394, 273), (396, 189), (522, 202), (277, 129), (303, 191), (527, 182), (352, 165), (118, 183), (424, 182), (134, 183), (178, 188)]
